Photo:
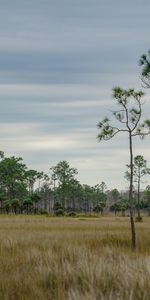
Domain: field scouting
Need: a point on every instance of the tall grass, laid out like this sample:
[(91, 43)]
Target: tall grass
[(73, 259)]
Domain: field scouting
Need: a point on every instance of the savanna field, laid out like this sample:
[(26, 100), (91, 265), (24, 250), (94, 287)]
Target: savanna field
[(49, 258)]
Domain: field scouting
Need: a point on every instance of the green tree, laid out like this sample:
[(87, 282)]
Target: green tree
[(129, 117), (145, 74), (115, 194), (7, 206), (27, 205), (121, 205), (147, 196), (139, 170), (35, 198), (12, 176), (100, 197), (58, 209), (31, 177), (87, 198), (15, 205), (64, 174)]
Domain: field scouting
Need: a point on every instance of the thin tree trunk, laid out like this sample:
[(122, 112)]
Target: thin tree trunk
[(133, 233), (138, 204)]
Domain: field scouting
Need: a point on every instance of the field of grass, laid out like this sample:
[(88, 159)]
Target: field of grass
[(43, 258)]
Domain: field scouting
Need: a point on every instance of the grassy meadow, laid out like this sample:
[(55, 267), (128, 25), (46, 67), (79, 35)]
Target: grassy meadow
[(47, 258)]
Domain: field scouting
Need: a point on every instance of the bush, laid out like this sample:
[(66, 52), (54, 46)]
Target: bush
[(42, 211), (59, 212), (71, 214)]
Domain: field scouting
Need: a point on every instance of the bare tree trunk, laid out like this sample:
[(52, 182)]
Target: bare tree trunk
[(133, 233)]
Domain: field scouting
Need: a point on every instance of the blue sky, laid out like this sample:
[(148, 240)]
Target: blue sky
[(58, 63)]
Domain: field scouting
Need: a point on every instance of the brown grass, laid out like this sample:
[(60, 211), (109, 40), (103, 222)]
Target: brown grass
[(43, 258)]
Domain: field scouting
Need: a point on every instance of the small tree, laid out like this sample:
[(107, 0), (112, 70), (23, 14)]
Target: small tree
[(129, 116), (121, 205), (100, 197), (145, 74), (139, 170), (147, 196)]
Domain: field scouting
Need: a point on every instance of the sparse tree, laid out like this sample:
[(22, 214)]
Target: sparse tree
[(64, 174), (139, 170), (129, 116)]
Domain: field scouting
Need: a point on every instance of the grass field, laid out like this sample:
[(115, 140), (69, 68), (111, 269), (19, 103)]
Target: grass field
[(43, 258)]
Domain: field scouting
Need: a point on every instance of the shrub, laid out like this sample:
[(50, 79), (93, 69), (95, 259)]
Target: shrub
[(71, 214), (59, 212), (42, 211)]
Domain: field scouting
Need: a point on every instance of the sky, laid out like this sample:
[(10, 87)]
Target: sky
[(59, 60)]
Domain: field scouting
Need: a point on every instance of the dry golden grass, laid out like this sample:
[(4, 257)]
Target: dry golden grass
[(45, 258)]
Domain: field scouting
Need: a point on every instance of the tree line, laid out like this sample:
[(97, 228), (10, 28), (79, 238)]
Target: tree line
[(28, 191)]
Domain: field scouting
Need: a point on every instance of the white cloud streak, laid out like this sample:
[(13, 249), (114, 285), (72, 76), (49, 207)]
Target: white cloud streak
[(59, 61)]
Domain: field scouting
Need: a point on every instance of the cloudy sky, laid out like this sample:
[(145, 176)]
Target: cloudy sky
[(59, 60)]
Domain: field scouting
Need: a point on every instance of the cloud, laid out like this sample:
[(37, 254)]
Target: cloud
[(58, 63)]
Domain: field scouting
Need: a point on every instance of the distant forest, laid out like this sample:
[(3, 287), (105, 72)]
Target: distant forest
[(24, 191)]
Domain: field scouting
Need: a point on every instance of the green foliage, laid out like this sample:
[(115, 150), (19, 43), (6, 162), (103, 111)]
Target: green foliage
[(63, 172), (15, 205), (6, 206), (35, 198), (120, 205), (145, 64), (12, 176), (129, 115), (65, 176), (42, 211), (57, 206), (100, 197), (27, 205), (115, 194), (59, 212), (139, 168), (31, 177), (71, 214), (147, 197), (99, 207)]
